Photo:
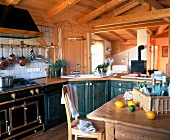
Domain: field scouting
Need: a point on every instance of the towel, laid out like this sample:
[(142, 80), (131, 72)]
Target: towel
[(86, 127), (72, 99), (128, 95)]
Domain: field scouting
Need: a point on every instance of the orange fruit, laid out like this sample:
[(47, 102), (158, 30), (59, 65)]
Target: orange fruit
[(150, 115), (119, 104)]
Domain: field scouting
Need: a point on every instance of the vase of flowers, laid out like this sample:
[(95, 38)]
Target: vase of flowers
[(102, 68)]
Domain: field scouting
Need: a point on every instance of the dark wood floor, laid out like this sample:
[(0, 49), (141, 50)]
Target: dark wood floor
[(57, 133)]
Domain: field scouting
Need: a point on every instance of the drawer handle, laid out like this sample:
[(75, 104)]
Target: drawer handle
[(120, 84)]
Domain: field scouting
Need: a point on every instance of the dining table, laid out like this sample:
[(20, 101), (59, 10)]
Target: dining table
[(121, 123)]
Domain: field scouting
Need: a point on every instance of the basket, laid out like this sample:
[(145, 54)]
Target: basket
[(158, 104)]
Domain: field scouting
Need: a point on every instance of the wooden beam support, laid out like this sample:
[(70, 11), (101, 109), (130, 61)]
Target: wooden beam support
[(161, 29), (118, 36), (12, 2), (159, 36), (99, 11), (131, 33), (62, 7), (99, 35), (41, 41), (149, 31), (130, 26), (139, 17)]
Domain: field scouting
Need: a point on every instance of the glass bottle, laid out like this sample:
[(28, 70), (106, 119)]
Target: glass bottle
[(164, 89), (154, 93)]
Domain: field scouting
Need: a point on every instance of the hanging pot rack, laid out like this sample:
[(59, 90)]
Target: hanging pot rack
[(27, 46)]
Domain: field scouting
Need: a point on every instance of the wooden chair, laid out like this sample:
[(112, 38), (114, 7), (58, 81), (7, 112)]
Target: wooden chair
[(72, 126)]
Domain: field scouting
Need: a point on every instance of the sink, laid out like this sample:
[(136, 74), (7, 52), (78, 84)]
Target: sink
[(84, 76)]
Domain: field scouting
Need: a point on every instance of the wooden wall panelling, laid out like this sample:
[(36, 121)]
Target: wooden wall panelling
[(120, 46), (74, 52)]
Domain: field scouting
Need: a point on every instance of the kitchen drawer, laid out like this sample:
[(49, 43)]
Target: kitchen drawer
[(128, 85), (132, 133), (116, 91)]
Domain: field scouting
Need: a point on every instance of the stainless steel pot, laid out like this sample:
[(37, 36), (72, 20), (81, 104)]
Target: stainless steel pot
[(6, 81), (2, 81)]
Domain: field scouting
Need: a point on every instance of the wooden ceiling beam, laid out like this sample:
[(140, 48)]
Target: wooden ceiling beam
[(130, 26), (139, 17), (99, 11), (131, 33), (118, 36), (157, 6), (12, 2), (58, 9), (125, 7), (101, 36)]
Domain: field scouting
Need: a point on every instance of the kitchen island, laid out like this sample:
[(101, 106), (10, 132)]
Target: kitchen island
[(120, 123)]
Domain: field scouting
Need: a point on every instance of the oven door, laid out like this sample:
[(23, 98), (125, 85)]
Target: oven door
[(3, 122), (23, 115)]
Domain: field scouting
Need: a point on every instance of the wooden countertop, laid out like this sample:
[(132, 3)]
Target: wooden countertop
[(47, 81), (109, 113)]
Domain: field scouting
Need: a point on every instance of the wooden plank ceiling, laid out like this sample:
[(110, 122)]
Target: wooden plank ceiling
[(113, 20)]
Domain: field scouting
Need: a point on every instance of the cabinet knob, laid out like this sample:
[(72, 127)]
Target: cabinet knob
[(120, 89), (90, 84), (120, 84), (37, 90), (87, 84), (13, 95), (32, 92)]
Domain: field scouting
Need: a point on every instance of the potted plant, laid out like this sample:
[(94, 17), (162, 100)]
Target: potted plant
[(59, 68), (63, 64)]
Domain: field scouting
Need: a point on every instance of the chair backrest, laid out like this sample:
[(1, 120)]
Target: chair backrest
[(68, 111)]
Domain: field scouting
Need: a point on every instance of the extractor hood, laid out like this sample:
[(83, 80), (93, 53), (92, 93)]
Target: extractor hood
[(17, 23)]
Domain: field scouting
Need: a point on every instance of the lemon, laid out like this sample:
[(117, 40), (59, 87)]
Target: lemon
[(119, 104), (132, 108), (150, 115), (131, 102)]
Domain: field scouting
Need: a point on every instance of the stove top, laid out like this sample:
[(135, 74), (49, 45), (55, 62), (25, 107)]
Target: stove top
[(19, 83)]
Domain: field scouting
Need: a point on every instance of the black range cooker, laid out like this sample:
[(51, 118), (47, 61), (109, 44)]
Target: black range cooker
[(21, 110)]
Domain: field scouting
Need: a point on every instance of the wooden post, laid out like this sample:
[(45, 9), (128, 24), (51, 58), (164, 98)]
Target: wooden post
[(168, 65)]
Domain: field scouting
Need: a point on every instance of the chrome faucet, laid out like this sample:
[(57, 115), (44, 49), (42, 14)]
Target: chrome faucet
[(76, 72)]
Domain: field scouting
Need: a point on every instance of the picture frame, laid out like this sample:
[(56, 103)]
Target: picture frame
[(164, 51)]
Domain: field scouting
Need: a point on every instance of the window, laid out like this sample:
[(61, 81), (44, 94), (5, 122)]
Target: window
[(97, 54)]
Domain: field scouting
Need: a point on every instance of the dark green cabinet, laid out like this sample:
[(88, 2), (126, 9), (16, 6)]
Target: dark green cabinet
[(82, 94), (98, 94), (91, 95), (54, 111), (119, 87)]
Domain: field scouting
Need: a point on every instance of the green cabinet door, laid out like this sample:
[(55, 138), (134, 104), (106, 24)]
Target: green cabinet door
[(82, 94), (98, 92), (91, 95)]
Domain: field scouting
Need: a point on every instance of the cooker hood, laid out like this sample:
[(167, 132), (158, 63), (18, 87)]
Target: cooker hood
[(17, 23)]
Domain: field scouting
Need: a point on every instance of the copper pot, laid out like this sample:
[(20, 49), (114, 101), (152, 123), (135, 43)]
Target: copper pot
[(22, 61), (3, 62), (12, 57)]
